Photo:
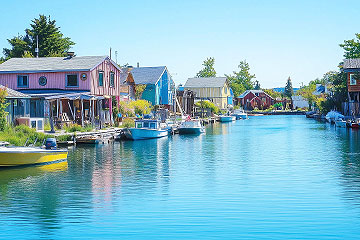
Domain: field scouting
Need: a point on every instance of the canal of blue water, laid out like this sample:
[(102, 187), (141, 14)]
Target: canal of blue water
[(269, 177)]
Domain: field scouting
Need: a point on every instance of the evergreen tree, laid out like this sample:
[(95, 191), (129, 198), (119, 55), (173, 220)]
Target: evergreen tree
[(352, 47), (51, 40), (208, 70), (288, 88)]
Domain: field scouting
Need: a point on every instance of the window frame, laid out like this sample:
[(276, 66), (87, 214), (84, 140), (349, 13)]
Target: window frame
[(112, 79), (102, 83), (27, 80), (67, 83), (351, 78)]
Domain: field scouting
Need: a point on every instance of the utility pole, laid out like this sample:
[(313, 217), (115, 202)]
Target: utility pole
[(37, 46)]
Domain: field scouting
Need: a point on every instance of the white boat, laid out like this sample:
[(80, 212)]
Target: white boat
[(146, 129), (226, 118), (191, 126), (332, 116), (340, 123), (240, 114)]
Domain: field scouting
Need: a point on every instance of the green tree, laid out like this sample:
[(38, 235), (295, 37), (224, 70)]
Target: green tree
[(288, 88), (241, 80), (139, 89), (352, 47), (272, 93), (3, 106), (208, 70), (51, 40)]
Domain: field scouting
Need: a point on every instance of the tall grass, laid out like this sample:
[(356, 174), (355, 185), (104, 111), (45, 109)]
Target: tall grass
[(18, 135)]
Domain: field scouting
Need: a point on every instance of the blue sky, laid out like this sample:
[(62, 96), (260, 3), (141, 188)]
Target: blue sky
[(279, 38)]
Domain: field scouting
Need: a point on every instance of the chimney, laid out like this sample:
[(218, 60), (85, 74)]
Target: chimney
[(70, 55), (138, 64), (129, 68)]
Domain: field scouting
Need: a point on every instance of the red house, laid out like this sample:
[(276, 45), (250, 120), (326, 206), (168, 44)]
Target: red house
[(251, 99)]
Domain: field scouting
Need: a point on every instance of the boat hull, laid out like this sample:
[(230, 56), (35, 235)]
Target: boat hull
[(240, 116), (227, 118), (340, 124), (144, 133), (191, 130), (20, 157)]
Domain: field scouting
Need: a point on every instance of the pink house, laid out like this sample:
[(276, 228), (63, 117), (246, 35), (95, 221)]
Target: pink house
[(67, 85)]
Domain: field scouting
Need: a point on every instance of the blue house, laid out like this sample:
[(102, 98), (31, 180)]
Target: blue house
[(160, 88)]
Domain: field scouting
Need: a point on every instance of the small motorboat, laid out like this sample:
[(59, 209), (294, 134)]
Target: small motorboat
[(341, 123), (191, 126), (353, 124), (332, 116), (239, 114), (146, 129), (19, 156), (226, 118)]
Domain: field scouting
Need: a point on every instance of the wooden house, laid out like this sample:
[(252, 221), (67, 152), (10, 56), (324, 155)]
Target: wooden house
[(352, 69), (251, 99), (160, 87), (49, 80), (19, 105), (127, 89), (214, 89)]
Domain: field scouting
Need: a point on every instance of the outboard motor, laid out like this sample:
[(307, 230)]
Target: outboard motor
[(50, 143)]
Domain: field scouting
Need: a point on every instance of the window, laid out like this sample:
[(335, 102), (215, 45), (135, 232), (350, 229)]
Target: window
[(139, 125), (72, 80), (152, 125), (146, 124), (42, 81), (101, 78), (352, 79), (112, 79), (22, 81)]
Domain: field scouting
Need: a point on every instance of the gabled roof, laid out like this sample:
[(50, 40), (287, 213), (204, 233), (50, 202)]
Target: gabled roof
[(352, 63), (52, 64), (147, 75), (205, 82), (253, 91), (11, 93)]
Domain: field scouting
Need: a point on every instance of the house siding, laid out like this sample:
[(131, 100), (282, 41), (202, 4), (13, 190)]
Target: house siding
[(218, 95), (54, 80), (107, 67), (353, 88)]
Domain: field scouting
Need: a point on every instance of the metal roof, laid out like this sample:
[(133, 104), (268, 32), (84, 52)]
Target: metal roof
[(351, 63), (147, 75), (52, 64), (252, 91), (205, 82), (11, 93)]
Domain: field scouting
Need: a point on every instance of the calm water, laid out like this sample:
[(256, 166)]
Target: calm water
[(269, 177)]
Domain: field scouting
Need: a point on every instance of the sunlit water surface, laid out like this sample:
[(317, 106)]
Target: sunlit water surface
[(269, 177)]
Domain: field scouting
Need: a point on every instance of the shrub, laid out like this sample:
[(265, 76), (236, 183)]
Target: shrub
[(63, 138), (141, 107), (128, 123), (20, 134), (208, 104), (125, 109)]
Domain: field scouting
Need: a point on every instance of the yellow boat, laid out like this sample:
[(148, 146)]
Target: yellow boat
[(18, 156)]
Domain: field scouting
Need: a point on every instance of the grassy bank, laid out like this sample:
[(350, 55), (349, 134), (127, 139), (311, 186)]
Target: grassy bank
[(18, 135)]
